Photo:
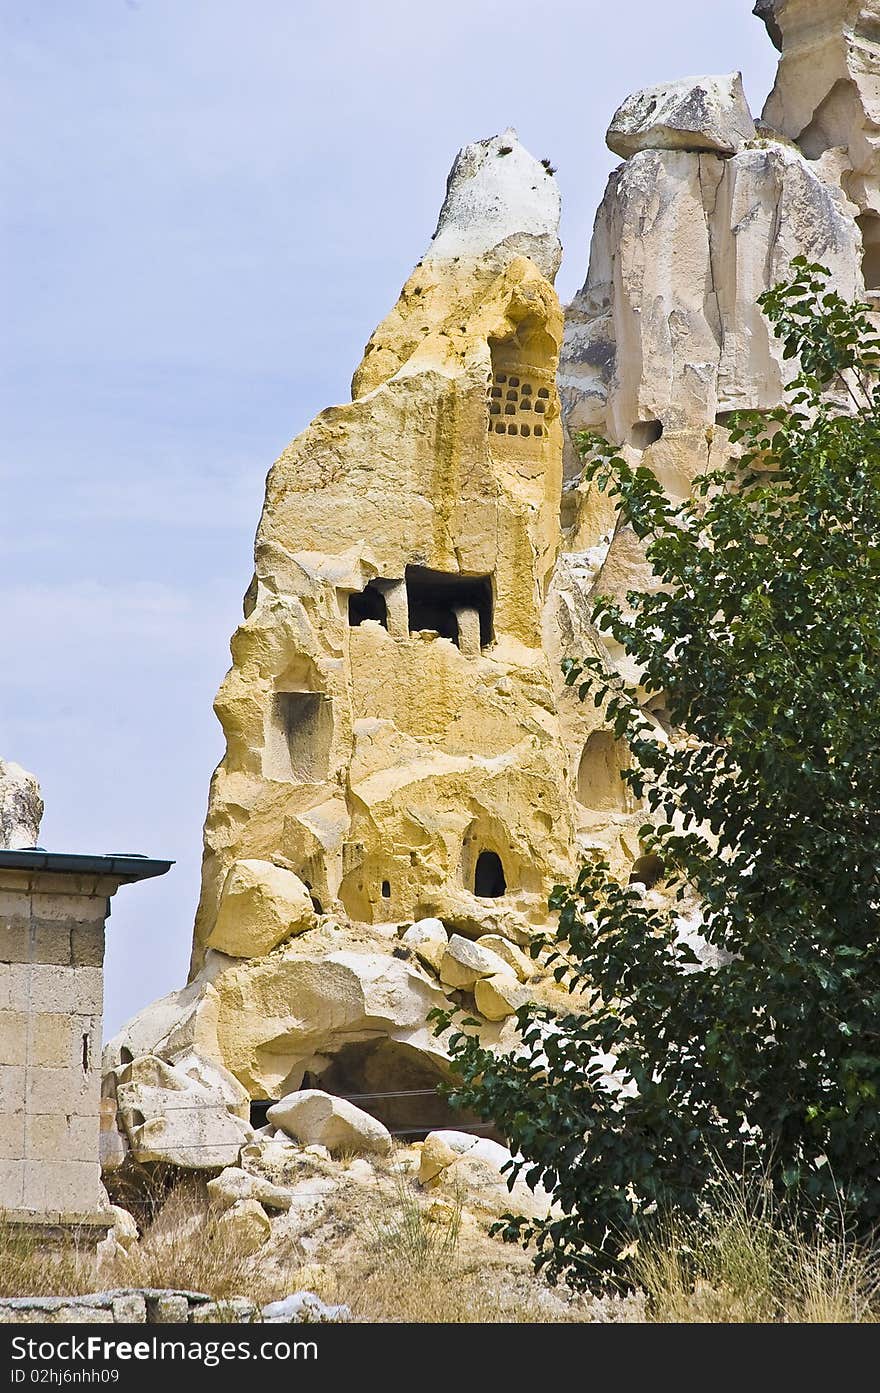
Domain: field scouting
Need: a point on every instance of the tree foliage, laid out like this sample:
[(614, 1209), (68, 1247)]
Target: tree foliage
[(764, 637)]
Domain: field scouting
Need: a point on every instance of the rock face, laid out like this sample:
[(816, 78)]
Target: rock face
[(696, 113), (21, 807), (666, 339), (399, 770), (827, 97), (406, 775)]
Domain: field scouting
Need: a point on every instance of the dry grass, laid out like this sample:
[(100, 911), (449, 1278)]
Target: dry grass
[(744, 1261), (394, 1252), (188, 1247), (29, 1267)]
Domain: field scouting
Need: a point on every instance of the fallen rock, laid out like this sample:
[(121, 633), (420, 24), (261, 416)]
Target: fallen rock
[(314, 1117), (695, 113), (466, 1144), (21, 807), (261, 905), (499, 996), (522, 966), (428, 939), (112, 1145), (303, 1308), (247, 1223), (125, 1229), (436, 1154), (234, 1184), (170, 1116), (464, 962)]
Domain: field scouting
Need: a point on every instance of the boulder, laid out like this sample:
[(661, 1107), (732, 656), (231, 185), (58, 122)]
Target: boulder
[(464, 963), (247, 1224), (112, 1145), (125, 1229), (21, 807), (304, 1308), (234, 1184), (499, 996), (434, 1157), (695, 113), (261, 905), (521, 965), (428, 939), (172, 1117), (314, 1117), (283, 1015)]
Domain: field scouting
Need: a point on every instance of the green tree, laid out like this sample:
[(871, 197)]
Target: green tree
[(764, 638)]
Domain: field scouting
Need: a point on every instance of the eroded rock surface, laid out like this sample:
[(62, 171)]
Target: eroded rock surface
[(21, 807)]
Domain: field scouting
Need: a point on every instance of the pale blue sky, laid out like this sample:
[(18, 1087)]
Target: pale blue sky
[(207, 205)]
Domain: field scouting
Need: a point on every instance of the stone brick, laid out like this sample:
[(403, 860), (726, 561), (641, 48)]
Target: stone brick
[(14, 904), (15, 941), (51, 942), (13, 1037), (81, 1315), (52, 1040), (12, 1183), (12, 1125), (12, 1088), (54, 1137), (55, 988), (67, 908), (62, 1185), (15, 992), (130, 1309), (170, 1309), (82, 1138), (62, 1091), (87, 945), (47, 1137)]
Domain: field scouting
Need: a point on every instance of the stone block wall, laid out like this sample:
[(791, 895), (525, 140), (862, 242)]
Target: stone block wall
[(51, 990)]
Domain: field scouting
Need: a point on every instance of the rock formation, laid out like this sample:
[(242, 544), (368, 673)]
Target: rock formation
[(406, 774), (21, 807)]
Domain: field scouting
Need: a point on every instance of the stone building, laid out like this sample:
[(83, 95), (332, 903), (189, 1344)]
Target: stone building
[(53, 909)]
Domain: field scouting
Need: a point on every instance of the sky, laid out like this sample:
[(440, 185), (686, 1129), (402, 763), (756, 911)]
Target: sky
[(206, 206)]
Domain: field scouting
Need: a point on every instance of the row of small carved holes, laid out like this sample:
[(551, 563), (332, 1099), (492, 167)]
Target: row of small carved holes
[(517, 398)]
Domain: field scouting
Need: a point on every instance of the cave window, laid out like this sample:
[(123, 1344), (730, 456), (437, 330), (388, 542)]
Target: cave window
[(869, 226), (386, 889), (368, 603), (647, 870), (301, 734), (489, 880), (645, 433), (434, 597), (599, 785)]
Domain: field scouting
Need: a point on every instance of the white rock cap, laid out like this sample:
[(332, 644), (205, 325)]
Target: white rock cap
[(694, 113), (498, 194), (21, 807)]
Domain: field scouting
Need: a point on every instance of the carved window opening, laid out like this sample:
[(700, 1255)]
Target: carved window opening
[(869, 226), (489, 879), (301, 732), (453, 606), (368, 603), (386, 889), (647, 870), (645, 433), (599, 785)]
